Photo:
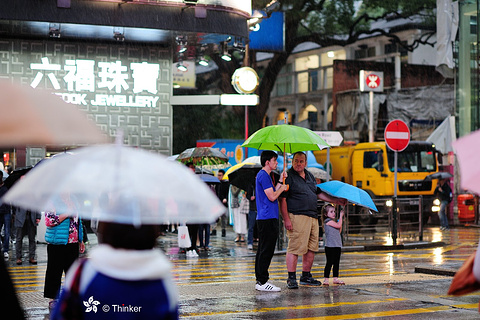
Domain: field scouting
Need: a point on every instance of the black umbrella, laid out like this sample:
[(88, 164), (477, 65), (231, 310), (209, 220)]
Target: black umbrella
[(244, 176), (439, 175), (15, 175)]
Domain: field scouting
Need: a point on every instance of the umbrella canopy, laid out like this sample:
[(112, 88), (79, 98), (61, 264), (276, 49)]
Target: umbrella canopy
[(5, 175), (253, 159), (16, 174), (346, 191), (439, 175), (467, 154), (319, 173), (285, 138), (161, 191), (208, 178), (242, 175), (37, 117), (200, 170), (203, 156)]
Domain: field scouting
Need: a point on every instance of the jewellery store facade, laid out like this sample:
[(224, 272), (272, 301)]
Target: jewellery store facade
[(115, 60)]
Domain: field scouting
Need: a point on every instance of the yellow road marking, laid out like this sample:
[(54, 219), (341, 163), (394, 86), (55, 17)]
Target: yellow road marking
[(388, 313), (378, 314), (314, 306)]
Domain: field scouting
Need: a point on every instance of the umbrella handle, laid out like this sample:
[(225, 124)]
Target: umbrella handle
[(285, 166)]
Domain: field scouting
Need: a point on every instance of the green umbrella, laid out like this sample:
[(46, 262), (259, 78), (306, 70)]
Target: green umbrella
[(285, 138)]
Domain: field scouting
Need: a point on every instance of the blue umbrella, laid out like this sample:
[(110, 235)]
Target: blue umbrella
[(346, 191), (208, 178)]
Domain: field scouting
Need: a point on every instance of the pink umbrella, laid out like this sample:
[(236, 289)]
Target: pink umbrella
[(468, 154), (37, 117)]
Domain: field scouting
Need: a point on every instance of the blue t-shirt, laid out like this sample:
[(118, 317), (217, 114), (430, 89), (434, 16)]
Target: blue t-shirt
[(266, 209)]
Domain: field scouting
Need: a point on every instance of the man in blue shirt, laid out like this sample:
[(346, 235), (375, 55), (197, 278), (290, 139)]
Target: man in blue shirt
[(267, 218), (299, 211)]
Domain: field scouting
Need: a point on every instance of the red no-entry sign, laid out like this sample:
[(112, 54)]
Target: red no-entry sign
[(397, 135)]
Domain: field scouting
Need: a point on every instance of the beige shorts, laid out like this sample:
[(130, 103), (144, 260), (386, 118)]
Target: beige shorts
[(304, 235)]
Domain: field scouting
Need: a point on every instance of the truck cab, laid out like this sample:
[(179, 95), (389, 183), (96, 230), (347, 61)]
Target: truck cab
[(370, 166)]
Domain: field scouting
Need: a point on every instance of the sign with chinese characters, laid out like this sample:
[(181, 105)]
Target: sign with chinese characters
[(120, 86), (82, 78)]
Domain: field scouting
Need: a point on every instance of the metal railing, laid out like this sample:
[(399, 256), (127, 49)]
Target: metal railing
[(361, 225)]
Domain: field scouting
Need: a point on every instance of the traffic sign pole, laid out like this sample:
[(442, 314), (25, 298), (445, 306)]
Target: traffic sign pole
[(394, 201), (397, 138), (328, 164), (371, 136)]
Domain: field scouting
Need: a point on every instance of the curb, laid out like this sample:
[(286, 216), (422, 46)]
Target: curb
[(435, 271)]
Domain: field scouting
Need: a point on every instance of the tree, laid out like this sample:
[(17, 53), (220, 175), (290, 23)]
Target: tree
[(330, 22)]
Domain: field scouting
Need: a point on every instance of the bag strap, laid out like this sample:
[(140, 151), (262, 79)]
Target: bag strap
[(71, 307), (75, 288)]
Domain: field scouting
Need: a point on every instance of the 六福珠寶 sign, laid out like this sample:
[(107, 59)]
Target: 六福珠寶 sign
[(81, 81)]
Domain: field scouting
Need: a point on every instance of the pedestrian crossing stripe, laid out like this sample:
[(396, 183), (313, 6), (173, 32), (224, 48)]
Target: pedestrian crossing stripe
[(387, 313)]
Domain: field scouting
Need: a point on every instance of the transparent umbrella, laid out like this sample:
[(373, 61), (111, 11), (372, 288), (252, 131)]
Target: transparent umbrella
[(203, 156), (100, 180)]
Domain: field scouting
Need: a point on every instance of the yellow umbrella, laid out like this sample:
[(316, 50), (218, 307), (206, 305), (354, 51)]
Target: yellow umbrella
[(235, 168)]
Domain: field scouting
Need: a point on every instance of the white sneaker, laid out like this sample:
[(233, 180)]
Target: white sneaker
[(5, 255), (192, 254), (250, 247), (267, 286)]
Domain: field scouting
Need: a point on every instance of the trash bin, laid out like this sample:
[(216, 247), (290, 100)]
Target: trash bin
[(466, 207)]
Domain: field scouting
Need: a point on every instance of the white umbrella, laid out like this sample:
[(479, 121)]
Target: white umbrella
[(319, 173), (252, 159), (101, 179)]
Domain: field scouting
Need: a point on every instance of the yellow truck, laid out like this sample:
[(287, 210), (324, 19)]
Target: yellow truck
[(370, 166)]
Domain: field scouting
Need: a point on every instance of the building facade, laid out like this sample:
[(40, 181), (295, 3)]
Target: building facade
[(116, 60), (317, 91)]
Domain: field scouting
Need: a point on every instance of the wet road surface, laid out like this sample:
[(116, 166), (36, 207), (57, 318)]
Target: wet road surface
[(380, 284)]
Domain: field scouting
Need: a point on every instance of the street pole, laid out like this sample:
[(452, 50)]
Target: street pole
[(371, 136), (328, 164), (246, 63), (394, 202)]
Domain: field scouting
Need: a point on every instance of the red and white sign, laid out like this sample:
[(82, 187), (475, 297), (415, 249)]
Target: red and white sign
[(397, 135), (371, 81)]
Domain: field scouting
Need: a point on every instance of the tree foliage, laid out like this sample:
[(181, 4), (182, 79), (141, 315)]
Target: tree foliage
[(330, 22)]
